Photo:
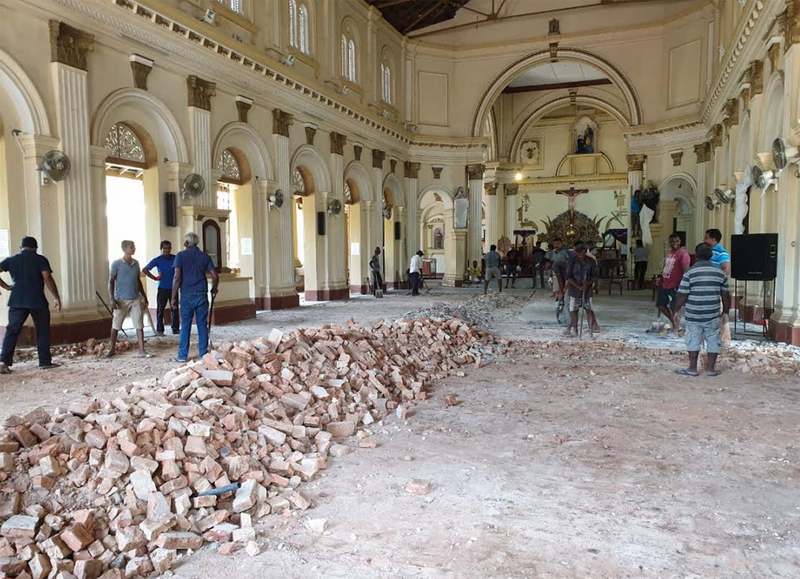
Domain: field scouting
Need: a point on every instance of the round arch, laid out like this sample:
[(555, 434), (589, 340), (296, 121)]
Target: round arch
[(447, 197), (308, 157), (634, 114), (246, 139), (681, 176), (557, 103), (357, 173), (140, 107), (25, 99), (393, 184)]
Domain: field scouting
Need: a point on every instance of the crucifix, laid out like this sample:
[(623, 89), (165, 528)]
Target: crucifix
[(571, 193)]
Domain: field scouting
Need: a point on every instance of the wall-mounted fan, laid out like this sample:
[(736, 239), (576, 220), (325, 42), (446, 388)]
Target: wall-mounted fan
[(710, 203), (193, 186), (387, 212), (276, 199), (725, 196), (55, 167), (334, 207), (783, 155), (761, 178)]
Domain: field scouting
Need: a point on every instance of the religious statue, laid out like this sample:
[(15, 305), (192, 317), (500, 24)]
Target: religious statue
[(584, 134), (461, 213), (438, 238)]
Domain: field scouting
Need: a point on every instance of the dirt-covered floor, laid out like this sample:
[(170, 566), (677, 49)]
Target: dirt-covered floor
[(568, 459)]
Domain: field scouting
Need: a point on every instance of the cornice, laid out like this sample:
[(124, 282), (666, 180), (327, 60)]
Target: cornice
[(740, 55), (145, 25), (683, 134)]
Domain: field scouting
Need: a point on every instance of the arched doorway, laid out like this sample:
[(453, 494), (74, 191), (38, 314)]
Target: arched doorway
[(393, 212), (302, 205), (358, 197), (435, 230)]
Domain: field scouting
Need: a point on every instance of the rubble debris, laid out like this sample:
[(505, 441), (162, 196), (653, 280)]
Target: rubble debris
[(482, 311), (121, 488)]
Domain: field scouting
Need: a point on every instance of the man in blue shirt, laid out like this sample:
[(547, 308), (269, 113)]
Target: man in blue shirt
[(719, 256), (191, 266), (164, 263), (30, 272)]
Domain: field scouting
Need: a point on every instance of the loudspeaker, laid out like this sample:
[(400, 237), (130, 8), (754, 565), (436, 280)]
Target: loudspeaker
[(171, 205), (754, 256), (397, 230), (320, 223)]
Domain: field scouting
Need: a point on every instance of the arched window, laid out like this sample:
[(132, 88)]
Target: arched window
[(233, 5), (298, 26), (123, 144), (227, 164), (298, 183), (386, 83), (348, 56)]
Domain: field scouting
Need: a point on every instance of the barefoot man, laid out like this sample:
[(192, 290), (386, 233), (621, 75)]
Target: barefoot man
[(676, 263)]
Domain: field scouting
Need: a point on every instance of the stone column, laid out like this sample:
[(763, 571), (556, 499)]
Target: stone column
[(282, 293), (336, 285), (510, 193), (402, 262), (367, 241), (410, 173), (635, 175), (376, 224), (475, 175), (703, 153), (41, 219), (493, 226), (455, 253), (76, 225), (98, 176), (200, 92)]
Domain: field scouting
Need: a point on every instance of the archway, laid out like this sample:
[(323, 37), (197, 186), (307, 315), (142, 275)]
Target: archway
[(243, 161), (677, 208), (311, 185), (435, 229), (617, 78), (358, 196)]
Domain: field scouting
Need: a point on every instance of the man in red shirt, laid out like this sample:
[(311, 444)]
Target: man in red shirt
[(676, 263)]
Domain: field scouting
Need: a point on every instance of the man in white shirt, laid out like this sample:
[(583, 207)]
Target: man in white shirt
[(415, 272)]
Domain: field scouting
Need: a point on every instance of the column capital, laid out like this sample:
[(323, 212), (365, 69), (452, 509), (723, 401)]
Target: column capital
[(437, 170), (754, 75), (677, 156), (490, 188), (140, 67), (243, 105), (281, 122), (37, 145), (98, 156), (636, 162), (69, 45), (511, 189), (357, 148), (410, 170), (789, 23), (715, 136), (338, 141), (311, 133), (200, 92), (703, 152), (731, 112), (377, 158), (475, 171)]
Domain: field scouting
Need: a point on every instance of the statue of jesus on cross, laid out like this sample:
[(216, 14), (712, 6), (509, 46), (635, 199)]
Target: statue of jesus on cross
[(571, 193)]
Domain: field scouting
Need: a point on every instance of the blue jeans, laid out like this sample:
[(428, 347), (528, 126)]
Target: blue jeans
[(193, 304)]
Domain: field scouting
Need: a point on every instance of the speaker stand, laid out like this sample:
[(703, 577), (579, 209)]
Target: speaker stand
[(742, 306)]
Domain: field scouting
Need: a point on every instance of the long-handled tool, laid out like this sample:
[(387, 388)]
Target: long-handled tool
[(110, 313), (210, 317)]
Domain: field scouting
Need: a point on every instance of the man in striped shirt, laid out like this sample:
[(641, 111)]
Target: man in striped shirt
[(701, 288)]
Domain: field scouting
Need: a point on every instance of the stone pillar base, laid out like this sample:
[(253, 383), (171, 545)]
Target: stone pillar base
[(232, 311), (327, 295), (359, 289), (278, 302), (452, 281), (66, 332), (785, 332)]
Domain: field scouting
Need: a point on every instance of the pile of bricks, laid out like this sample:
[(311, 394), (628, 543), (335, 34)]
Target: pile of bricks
[(481, 310), (89, 347), (121, 488)]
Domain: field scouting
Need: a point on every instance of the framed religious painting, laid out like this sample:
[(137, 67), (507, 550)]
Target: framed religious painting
[(584, 137), (531, 153)]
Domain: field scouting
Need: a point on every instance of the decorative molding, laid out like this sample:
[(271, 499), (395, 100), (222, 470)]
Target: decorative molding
[(674, 136), (200, 92), (774, 52), (553, 51), (437, 171), (141, 67), (754, 76), (280, 122), (636, 162), (410, 170), (392, 165), (703, 152), (676, 155), (243, 105), (511, 189), (790, 23), (475, 172), (357, 148), (377, 158), (730, 113), (311, 133), (69, 45), (715, 136), (338, 141)]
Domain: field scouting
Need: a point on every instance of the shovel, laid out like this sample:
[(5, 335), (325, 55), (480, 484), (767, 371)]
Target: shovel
[(210, 317)]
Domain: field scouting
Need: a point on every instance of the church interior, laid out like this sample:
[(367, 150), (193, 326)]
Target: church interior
[(455, 435)]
